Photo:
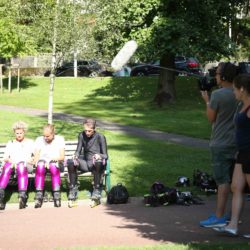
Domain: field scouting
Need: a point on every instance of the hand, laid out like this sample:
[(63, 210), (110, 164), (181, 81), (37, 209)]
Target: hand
[(74, 157), (205, 97), (97, 157)]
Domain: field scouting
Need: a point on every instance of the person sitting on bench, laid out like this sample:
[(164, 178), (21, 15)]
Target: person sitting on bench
[(94, 157), (18, 156), (49, 153)]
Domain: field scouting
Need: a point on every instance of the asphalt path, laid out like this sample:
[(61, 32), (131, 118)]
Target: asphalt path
[(131, 225)]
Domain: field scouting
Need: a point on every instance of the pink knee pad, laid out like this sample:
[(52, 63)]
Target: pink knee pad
[(40, 175), (55, 176), (22, 176), (5, 176)]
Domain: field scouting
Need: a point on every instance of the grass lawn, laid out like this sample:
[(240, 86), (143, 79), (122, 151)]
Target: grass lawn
[(126, 100), (133, 159)]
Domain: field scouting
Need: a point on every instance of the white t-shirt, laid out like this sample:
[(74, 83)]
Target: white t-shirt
[(19, 151), (49, 151)]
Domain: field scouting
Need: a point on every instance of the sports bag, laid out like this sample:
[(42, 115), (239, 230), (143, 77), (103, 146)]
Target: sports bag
[(159, 194), (118, 194)]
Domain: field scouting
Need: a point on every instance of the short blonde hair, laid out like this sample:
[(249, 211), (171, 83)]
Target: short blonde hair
[(49, 127), (20, 125)]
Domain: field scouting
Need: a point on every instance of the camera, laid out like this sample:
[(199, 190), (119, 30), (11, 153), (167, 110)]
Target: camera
[(207, 82)]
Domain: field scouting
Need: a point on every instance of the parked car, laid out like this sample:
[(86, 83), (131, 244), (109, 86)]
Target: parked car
[(182, 64), (244, 67), (84, 68)]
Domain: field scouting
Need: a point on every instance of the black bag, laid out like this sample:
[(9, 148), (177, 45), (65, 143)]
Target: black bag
[(118, 194), (160, 195)]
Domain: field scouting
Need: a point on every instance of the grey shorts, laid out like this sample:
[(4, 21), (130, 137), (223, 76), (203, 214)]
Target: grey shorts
[(223, 160)]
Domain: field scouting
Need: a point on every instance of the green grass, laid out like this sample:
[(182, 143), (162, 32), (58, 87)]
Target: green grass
[(133, 159), (126, 100)]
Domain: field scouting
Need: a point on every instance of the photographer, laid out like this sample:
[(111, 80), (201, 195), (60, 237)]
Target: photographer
[(220, 109)]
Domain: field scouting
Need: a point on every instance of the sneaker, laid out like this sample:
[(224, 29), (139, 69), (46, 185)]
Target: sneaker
[(228, 231), (213, 221)]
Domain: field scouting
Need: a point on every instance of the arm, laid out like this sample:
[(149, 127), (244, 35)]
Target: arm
[(103, 147), (79, 145), (211, 113), (7, 153), (36, 155)]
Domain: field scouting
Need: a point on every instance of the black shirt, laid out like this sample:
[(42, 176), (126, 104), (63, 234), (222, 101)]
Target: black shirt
[(88, 146)]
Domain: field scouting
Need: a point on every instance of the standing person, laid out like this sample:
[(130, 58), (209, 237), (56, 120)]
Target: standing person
[(18, 156), (220, 109), (94, 148), (241, 175), (49, 154)]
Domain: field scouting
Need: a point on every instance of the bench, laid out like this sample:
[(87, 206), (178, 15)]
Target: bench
[(70, 147)]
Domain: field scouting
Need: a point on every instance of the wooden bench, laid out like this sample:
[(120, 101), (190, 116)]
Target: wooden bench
[(70, 147)]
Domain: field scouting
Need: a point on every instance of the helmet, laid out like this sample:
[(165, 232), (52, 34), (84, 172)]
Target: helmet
[(182, 181)]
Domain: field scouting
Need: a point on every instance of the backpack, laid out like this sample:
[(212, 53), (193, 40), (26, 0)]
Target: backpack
[(118, 194)]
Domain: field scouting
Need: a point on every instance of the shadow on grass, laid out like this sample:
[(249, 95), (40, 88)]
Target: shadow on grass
[(25, 83)]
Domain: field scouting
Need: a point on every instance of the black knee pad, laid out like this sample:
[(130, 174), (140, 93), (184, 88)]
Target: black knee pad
[(71, 167), (98, 167)]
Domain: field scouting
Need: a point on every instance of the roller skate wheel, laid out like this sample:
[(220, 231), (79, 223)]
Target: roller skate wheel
[(94, 203), (72, 203)]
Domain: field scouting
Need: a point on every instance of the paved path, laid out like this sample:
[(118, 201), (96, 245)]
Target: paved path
[(129, 224), (151, 134)]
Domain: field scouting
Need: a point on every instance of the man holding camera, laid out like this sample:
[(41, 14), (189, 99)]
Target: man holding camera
[(220, 109)]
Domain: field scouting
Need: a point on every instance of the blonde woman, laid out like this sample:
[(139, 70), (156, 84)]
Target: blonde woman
[(18, 155)]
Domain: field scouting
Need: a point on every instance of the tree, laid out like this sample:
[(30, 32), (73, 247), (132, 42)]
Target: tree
[(62, 27), (15, 36), (164, 28)]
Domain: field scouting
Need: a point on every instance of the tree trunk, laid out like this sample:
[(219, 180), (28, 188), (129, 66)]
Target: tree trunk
[(166, 86), (53, 68)]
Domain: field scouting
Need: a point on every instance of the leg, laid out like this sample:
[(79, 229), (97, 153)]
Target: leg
[(2, 205), (222, 164), (73, 189), (98, 171), (4, 180), (22, 178), (39, 183), (248, 182), (238, 185), (222, 161), (5, 176), (56, 183), (222, 197)]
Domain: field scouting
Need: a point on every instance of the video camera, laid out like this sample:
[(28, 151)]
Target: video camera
[(207, 82)]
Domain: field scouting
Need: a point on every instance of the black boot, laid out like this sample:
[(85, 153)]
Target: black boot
[(57, 198), (39, 199), (2, 204), (22, 197)]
